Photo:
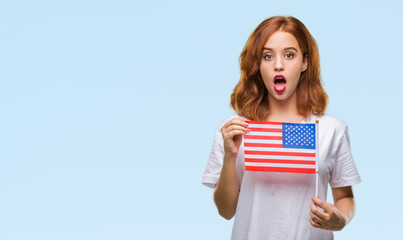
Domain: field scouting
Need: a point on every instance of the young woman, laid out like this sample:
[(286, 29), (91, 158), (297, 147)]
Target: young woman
[(280, 82)]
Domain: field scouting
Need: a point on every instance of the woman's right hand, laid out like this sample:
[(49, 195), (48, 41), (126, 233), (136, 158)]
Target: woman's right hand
[(232, 132)]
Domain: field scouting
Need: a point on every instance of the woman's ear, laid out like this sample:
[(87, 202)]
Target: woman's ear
[(304, 64)]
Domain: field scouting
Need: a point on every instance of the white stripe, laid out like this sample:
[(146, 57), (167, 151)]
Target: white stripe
[(262, 141), (280, 149), (279, 157), (265, 126), (265, 133), (279, 165)]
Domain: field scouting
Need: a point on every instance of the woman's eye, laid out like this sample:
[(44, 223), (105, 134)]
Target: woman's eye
[(289, 55), (268, 56)]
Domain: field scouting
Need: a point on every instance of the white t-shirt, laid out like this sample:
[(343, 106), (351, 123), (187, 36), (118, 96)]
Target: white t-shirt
[(277, 205)]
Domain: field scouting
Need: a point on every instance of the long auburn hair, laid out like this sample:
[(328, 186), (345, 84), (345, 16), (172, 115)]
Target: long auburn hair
[(250, 96)]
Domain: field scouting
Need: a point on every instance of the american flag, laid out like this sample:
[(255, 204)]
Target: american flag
[(281, 147)]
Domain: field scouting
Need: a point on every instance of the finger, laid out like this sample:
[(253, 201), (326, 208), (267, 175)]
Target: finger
[(317, 212), (314, 224), (229, 130), (233, 133), (237, 127), (321, 203), (236, 121), (317, 219)]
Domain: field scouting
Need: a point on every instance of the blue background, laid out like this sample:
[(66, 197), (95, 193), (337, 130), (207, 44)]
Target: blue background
[(109, 109)]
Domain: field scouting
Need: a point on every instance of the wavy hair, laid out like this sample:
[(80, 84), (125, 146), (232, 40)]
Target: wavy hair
[(250, 96)]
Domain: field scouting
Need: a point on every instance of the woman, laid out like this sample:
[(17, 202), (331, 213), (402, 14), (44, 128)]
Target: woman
[(280, 82)]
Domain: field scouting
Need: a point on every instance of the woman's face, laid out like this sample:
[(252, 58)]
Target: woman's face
[(282, 65)]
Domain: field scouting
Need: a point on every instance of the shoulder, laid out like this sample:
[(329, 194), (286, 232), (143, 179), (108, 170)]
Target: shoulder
[(327, 120), (329, 124)]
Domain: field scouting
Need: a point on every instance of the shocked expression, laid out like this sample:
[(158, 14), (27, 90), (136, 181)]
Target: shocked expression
[(282, 65)]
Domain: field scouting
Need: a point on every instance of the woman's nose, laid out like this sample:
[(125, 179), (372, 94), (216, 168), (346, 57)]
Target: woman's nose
[(278, 65)]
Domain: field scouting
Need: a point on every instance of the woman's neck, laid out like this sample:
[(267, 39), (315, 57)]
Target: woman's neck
[(284, 110)]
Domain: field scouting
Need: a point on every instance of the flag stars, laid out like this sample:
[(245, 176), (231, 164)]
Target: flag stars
[(299, 135)]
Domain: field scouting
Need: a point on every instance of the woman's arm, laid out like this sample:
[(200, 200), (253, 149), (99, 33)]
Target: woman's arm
[(344, 200), (334, 217), (226, 191)]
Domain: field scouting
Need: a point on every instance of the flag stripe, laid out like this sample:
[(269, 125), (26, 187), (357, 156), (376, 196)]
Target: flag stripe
[(263, 141), (279, 134), (279, 161), (280, 169), (265, 126), (266, 130), (298, 154), (279, 149), (266, 123), (263, 137), (246, 144), (287, 165), (280, 157)]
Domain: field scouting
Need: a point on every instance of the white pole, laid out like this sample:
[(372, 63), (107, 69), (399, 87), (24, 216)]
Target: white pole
[(317, 183), (317, 157)]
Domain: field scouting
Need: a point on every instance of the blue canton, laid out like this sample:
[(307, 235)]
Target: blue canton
[(299, 135)]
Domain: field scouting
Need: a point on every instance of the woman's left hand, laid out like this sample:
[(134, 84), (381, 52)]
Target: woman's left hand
[(330, 218)]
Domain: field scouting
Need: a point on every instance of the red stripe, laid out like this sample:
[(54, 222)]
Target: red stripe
[(296, 154), (279, 169), (279, 161), (262, 122), (263, 137), (269, 145), (266, 130)]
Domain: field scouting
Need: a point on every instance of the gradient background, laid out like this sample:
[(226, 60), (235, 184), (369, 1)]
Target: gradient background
[(109, 109)]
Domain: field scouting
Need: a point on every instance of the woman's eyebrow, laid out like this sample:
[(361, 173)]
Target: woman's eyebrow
[(287, 48), (291, 48)]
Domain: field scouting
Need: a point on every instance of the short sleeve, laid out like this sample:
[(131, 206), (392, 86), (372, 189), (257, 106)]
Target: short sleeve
[(344, 172), (215, 161)]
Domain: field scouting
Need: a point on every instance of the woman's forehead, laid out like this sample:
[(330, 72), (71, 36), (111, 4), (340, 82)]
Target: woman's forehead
[(281, 40)]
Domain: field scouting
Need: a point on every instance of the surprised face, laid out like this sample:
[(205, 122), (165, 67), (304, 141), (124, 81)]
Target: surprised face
[(282, 65)]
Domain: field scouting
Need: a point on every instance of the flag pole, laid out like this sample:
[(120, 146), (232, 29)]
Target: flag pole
[(317, 157)]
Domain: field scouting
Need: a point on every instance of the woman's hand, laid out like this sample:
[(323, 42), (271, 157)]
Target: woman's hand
[(232, 132), (330, 219)]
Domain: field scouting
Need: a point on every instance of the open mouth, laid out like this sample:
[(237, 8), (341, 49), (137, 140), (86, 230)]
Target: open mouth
[(279, 83)]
